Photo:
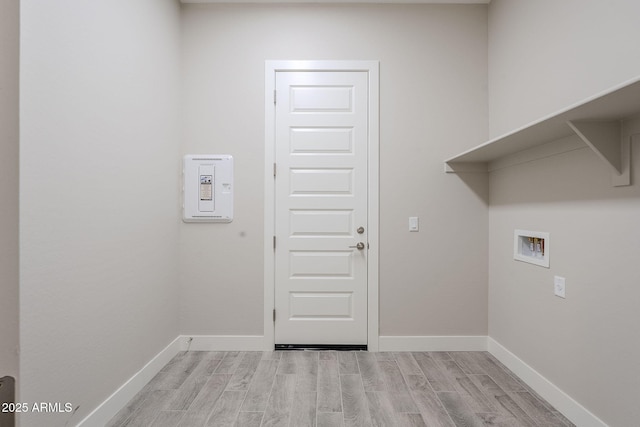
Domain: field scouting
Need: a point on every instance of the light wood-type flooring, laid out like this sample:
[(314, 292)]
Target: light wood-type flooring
[(328, 388)]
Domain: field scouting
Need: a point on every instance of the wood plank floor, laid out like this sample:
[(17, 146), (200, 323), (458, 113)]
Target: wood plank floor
[(345, 389)]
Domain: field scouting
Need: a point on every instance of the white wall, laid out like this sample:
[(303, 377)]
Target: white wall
[(99, 178), (9, 130), (433, 65), (545, 55)]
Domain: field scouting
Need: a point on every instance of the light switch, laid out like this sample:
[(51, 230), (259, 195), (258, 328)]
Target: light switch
[(559, 286), (413, 223)]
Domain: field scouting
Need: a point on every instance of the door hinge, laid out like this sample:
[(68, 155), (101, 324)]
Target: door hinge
[(274, 243), (274, 315), (274, 96), (274, 170)]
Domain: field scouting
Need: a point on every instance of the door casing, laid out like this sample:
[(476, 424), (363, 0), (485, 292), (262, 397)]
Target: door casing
[(372, 69)]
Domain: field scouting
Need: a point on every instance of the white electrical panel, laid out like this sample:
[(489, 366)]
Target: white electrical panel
[(532, 247), (208, 188)]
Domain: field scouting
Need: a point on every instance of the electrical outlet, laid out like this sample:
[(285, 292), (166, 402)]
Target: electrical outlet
[(559, 286)]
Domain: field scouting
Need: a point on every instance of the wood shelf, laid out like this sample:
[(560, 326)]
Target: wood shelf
[(597, 121)]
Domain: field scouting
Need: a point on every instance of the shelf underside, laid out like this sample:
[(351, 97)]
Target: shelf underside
[(617, 104)]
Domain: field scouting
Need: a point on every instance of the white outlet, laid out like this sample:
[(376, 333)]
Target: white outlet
[(559, 286)]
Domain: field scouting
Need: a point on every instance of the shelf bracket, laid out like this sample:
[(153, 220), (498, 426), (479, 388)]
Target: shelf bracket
[(605, 139)]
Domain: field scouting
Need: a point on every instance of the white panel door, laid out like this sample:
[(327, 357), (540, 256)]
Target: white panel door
[(321, 143)]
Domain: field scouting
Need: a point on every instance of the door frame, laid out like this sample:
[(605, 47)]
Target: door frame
[(373, 162)]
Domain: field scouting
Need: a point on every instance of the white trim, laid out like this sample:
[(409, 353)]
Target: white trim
[(269, 205), (223, 343), (114, 403), (373, 209), (372, 68), (119, 398), (570, 408), (574, 411), (433, 343)]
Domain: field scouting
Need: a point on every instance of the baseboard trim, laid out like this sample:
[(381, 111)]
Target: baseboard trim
[(223, 343), (114, 403), (574, 411), (433, 343), (570, 408)]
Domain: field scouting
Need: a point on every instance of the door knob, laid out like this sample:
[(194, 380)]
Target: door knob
[(359, 246), (360, 230)]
